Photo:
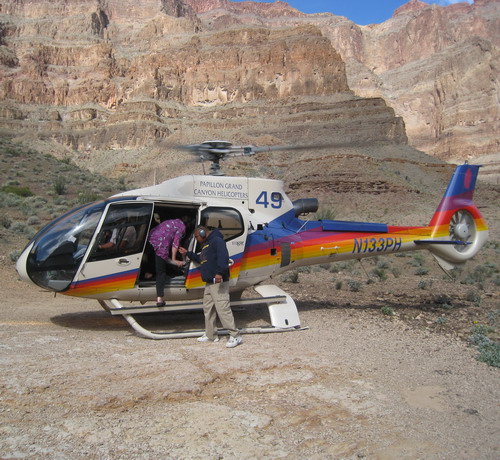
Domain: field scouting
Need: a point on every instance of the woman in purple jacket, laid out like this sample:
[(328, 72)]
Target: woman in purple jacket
[(166, 238)]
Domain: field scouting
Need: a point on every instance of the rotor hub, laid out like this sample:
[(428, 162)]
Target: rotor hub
[(462, 231)]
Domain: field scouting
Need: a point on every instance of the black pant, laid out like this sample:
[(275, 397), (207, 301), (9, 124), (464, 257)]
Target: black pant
[(161, 275)]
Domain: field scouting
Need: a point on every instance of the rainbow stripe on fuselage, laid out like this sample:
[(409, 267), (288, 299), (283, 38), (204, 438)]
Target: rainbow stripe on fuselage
[(102, 284)]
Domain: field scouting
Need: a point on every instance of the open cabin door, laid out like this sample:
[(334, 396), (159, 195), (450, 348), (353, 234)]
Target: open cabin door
[(114, 262), (229, 221)]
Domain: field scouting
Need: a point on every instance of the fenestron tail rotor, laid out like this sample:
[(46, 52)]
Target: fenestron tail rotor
[(463, 229)]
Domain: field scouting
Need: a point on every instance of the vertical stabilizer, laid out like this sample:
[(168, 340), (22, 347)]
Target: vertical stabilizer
[(457, 222)]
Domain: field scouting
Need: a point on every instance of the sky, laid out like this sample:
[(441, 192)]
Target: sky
[(361, 12)]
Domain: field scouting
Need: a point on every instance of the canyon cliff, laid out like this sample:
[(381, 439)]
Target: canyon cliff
[(114, 84), (436, 66)]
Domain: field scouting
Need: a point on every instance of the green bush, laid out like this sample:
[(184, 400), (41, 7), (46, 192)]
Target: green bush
[(389, 311), (354, 285), (60, 186), (421, 271), (324, 214), (380, 274), (489, 351), (17, 190), (291, 277), (474, 297)]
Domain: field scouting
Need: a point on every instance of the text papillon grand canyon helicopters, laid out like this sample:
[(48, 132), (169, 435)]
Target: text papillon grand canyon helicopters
[(261, 226)]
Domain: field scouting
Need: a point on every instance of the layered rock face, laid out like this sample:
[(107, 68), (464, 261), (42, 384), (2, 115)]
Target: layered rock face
[(109, 81), (439, 68), (436, 66), (115, 83)]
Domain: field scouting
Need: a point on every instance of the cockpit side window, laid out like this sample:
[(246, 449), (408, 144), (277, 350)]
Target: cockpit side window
[(123, 232)]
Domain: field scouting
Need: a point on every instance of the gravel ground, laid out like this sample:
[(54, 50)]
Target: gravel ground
[(78, 383)]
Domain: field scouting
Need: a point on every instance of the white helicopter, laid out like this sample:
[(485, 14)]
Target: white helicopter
[(264, 233)]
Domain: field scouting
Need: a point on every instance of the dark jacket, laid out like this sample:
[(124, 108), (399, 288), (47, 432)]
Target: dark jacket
[(213, 258)]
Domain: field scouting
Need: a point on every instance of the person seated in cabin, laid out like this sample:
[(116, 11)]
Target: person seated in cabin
[(120, 238), (165, 239)]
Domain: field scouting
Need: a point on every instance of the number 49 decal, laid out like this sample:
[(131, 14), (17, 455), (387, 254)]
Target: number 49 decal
[(275, 201)]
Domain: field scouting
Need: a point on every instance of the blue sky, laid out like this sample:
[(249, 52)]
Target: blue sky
[(361, 12)]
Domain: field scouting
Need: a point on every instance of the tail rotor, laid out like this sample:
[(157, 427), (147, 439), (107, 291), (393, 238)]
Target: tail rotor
[(463, 229)]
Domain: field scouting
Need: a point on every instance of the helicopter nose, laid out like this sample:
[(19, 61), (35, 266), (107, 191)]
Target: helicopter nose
[(21, 264)]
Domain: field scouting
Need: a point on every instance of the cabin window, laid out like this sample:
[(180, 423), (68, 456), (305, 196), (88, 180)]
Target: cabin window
[(227, 220), (123, 232)]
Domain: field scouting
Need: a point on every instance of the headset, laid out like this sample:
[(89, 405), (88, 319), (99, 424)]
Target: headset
[(202, 231)]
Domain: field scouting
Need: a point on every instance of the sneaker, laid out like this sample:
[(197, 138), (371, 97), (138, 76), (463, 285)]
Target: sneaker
[(234, 341), (204, 338)]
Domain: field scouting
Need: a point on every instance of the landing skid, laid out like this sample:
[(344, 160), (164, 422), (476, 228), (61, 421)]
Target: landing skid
[(282, 310)]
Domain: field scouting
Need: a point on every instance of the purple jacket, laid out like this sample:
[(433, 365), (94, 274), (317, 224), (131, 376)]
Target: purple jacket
[(166, 235)]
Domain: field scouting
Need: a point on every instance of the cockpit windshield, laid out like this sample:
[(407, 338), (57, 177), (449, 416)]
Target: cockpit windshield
[(59, 248)]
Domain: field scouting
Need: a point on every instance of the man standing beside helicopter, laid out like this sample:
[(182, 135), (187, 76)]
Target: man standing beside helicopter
[(214, 268)]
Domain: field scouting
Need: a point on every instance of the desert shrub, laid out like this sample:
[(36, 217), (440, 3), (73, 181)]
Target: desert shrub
[(383, 264), (88, 197), (5, 222), (417, 260), (18, 227), (421, 271), (494, 316), (480, 274), (33, 220), (9, 200), (14, 255), (324, 214), (396, 272), (17, 190), (338, 285), (473, 296), (60, 186), (291, 277), (380, 274), (489, 351), (354, 285), (304, 269), (423, 284), (389, 311), (443, 301), (441, 320), (346, 264)]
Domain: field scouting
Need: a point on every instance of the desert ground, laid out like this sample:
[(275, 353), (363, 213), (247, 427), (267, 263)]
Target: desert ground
[(77, 382)]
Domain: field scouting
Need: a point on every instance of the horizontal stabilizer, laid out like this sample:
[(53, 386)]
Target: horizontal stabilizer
[(454, 242)]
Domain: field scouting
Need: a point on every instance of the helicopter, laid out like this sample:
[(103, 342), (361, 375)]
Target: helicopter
[(264, 233)]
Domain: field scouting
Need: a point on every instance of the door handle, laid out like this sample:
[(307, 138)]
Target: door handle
[(123, 262)]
